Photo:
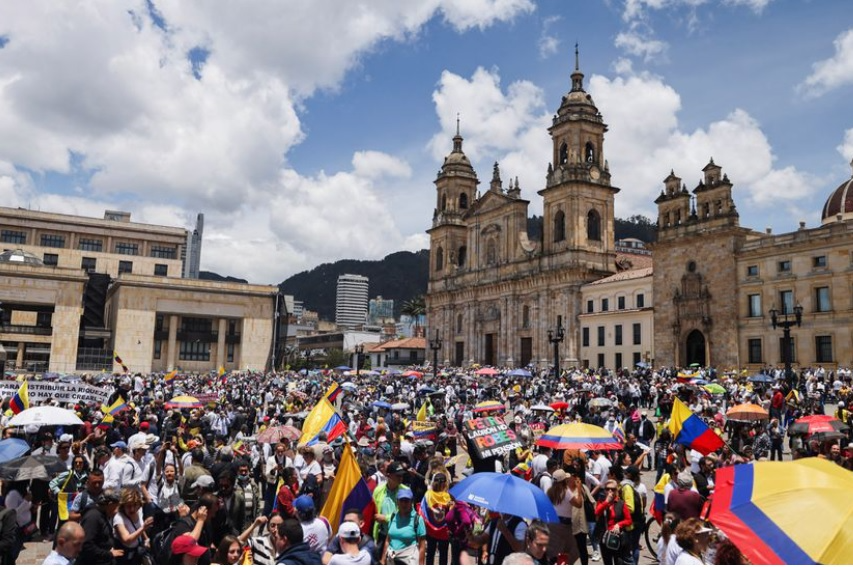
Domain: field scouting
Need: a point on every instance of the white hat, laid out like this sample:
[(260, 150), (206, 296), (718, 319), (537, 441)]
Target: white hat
[(349, 530)]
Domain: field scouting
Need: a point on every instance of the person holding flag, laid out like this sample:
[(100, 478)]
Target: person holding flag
[(689, 430)]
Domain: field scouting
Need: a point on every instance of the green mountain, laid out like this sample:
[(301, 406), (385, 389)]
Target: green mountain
[(402, 276)]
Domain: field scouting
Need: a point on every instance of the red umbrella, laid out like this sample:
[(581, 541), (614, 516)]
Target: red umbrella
[(559, 406), (276, 434), (487, 372), (819, 427)]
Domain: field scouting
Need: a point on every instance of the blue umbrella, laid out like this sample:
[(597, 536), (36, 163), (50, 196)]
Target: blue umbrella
[(382, 404), (642, 364), (426, 390), (761, 379), (12, 448), (500, 492), (520, 372)]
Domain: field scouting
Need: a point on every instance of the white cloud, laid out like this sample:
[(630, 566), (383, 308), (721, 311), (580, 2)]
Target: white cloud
[(756, 6), (101, 81), (548, 43), (837, 71), (640, 46), (846, 147)]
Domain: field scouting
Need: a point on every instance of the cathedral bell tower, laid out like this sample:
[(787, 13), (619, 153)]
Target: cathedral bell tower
[(578, 197), (456, 187)]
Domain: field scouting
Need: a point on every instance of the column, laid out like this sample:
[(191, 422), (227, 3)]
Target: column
[(19, 360), (171, 348), (220, 344)]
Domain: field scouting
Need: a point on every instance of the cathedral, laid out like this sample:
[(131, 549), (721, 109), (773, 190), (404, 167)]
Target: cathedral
[(494, 293)]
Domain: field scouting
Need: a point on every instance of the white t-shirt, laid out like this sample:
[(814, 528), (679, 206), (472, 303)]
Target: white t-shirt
[(316, 534), (360, 558), (131, 525), (685, 558)]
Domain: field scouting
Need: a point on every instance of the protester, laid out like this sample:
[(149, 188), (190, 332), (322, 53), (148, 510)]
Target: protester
[(69, 543)]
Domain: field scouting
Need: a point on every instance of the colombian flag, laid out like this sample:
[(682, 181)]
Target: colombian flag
[(619, 433), (110, 412), (21, 400), (687, 429), (322, 418), (120, 362), (170, 377), (333, 392), (349, 490)]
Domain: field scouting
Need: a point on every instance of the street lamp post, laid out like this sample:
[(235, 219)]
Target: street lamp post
[(435, 346), (786, 325), (555, 338), (307, 357), (359, 350)]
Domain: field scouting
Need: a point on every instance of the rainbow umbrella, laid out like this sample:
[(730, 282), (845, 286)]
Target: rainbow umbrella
[(490, 405), (183, 402), (581, 436), (760, 507)]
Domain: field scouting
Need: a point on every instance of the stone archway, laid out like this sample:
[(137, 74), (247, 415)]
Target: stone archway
[(695, 348)]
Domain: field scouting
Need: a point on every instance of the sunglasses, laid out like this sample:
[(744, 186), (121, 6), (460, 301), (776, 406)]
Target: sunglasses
[(611, 489)]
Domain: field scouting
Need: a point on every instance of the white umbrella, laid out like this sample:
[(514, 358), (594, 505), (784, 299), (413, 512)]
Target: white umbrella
[(542, 407), (400, 406), (45, 415)]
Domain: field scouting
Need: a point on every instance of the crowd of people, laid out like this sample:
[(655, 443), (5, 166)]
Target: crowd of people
[(152, 485)]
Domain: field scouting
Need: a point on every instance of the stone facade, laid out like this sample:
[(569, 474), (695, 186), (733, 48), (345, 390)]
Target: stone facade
[(493, 293)]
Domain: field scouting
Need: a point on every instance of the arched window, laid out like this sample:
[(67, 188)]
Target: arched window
[(462, 256), (459, 324), (463, 201), (559, 226), (564, 153), (444, 202), (491, 252), (593, 225), (525, 317), (589, 153), (439, 259)]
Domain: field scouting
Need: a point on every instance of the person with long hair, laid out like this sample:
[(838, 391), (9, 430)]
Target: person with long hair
[(693, 537), (130, 528), (434, 507), (616, 515), (228, 552), (562, 495)]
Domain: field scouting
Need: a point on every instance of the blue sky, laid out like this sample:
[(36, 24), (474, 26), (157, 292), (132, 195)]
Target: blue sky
[(311, 131)]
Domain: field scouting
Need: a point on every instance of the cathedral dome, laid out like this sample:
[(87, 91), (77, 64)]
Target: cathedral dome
[(456, 162), (840, 202)]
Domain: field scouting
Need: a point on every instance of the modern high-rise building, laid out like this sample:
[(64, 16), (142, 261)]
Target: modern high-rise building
[(192, 259), (380, 311), (351, 301)]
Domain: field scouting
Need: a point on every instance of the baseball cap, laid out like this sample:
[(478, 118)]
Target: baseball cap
[(685, 479), (349, 530), (405, 493), (395, 468), (140, 444), (364, 442), (119, 445), (304, 503), (559, 475), (204, 481), (632, 470), (144, 426), (186, 544)]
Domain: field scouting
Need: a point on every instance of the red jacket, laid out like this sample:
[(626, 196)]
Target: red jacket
[(284, 501), (611, 514)]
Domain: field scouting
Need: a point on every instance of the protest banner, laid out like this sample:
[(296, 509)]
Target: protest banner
[(39, 391), (424, 430), (490, 436)]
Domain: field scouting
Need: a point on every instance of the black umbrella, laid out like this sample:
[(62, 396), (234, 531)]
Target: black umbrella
[(42, 467)]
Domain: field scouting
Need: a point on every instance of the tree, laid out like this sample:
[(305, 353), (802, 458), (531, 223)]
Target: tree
[(416, 309), (336, 357)]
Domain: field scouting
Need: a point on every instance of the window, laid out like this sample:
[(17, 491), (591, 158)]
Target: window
[(491, 252), (590, 306), (823, 348), (785, 266), (755, 305), (601, 360), (525, 317), (91, 244), (44, 319), (819, 262), (13, 236), (51, 259), (413, 355), (439, 259), (88, 264), (593, 225), (127, 248), (752, 271), (444, 203), (754, 350), (167, 252), (601, 336), (620, 302), (605, 305), (641, 300), (792, 345), (230, 353), (194, 350), (821, 299), (638, 333), (52, 241), (462, 257), (637, 358), (585, 336), (161, 270), (618, 360), (459, 324), (463, 201), (786, 300), (158, 349), (559, 226), (125, 267), (618, 337), (196, 325)]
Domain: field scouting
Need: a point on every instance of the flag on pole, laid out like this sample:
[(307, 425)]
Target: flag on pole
[(333, 392), (221, 372), (21, 400), (116, 408), (688, 430), (422, 413), (120, 362), (619, 433), (170, 376), (322, 418), (349, 490)]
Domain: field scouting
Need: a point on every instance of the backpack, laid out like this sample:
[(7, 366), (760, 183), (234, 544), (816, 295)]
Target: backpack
[(463, 519), (161, 544), (538, 478), (638, 516), (311, 487)]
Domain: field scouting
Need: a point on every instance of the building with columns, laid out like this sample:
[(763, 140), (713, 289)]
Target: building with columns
[(494, 292), (76, 289)]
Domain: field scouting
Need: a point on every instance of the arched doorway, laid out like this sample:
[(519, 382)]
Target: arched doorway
[(695, 348)]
